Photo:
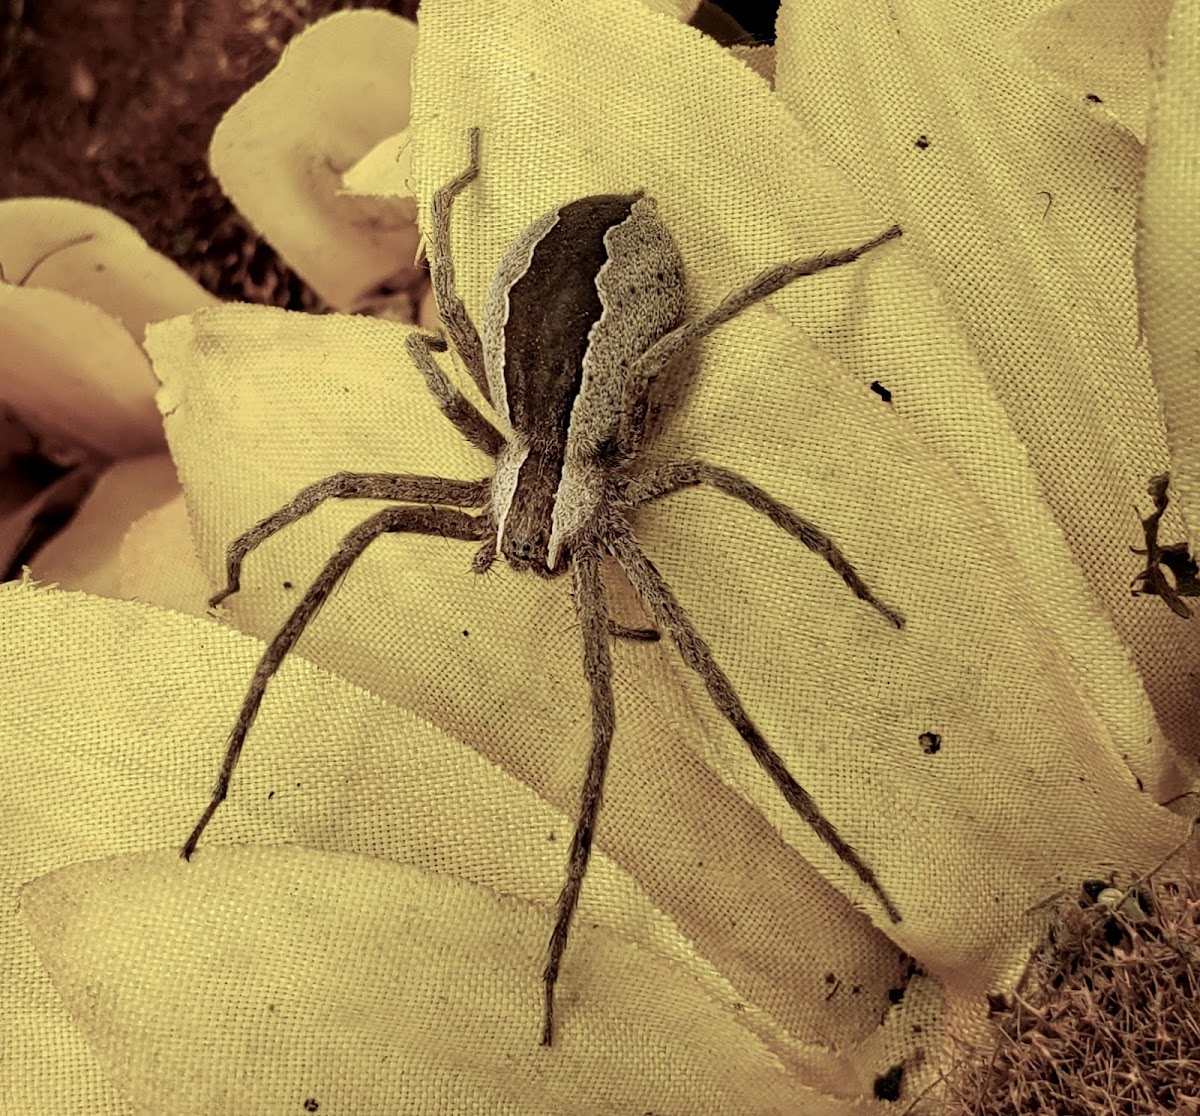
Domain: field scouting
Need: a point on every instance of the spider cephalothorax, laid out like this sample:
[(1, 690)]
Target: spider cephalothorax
[(581, 316)]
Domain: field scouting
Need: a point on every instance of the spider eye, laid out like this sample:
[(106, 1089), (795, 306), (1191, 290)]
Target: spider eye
[(525, 548)]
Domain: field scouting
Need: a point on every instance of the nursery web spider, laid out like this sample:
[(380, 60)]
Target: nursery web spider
[(581, 316)]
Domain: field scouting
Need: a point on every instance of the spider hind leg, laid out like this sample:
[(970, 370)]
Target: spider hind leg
[(591, 607), (668, 614)]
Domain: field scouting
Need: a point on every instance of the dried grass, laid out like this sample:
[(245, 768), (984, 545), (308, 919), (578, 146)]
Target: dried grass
[(1105, 1020)]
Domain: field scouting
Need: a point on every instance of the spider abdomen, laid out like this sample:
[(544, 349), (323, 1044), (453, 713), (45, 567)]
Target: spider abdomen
[(574, 301)]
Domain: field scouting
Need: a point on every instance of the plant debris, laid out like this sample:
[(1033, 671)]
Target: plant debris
[(1105, 1021)]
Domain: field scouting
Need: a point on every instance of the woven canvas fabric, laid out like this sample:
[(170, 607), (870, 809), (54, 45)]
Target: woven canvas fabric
[(1167, 251), (426, 744)]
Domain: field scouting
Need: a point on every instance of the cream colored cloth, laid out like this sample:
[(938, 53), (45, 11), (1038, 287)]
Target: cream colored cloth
[(426, 745)]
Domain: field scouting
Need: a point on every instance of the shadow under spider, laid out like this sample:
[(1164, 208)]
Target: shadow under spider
[(582, 315)]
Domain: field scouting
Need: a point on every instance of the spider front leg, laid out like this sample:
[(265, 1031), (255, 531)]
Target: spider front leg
[(346, 486), (668, 614), (592, 610), (453, 313), (448, 522), (452, 403)]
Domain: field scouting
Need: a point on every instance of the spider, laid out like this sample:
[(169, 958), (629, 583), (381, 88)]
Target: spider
[(583, 313)]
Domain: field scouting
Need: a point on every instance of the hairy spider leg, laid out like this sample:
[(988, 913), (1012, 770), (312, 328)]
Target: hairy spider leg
[(446, 521), (592, 609), (647, 367), (451, 310), (451, 402), (661, 603), (403, 487), (666, 479)]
